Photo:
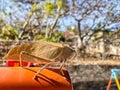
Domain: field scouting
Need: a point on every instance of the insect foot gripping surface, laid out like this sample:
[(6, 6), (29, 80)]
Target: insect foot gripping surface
[(44, 67)]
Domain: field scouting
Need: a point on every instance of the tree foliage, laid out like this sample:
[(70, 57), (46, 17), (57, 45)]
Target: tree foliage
[(91, 11), (8, 32), (42, 20), (49, 7)]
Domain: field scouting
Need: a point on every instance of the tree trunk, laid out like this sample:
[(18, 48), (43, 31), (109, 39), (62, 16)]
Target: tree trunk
[(46, 33), (26, 23), (53, 26), (81, 47), (80, 39)]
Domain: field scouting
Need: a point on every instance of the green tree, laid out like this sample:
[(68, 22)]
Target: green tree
[(58, 10), (42, 13), (8, 33)]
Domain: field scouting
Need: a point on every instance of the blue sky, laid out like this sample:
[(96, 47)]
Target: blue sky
[(10, 7)]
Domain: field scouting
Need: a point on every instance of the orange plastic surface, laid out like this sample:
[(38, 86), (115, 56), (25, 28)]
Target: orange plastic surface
[(21, 78)]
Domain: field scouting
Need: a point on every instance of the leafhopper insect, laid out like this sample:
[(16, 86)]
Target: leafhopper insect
[(40, 51)]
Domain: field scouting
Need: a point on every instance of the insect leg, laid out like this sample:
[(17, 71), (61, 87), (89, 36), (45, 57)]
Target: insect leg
[(45, 66), (20, 57), (33, 56), (61, 66)]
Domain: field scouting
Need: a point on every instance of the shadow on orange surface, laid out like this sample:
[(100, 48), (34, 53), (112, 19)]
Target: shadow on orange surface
[(21, 78)]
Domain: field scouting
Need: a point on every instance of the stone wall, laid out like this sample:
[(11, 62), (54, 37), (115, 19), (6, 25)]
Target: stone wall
[(91, 77), (106, 50), (4, 47)]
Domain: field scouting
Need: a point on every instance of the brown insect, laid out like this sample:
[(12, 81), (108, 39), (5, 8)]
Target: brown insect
[(41, 52)]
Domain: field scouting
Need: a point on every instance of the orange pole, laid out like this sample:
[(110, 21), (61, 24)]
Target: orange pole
[(109, 84)]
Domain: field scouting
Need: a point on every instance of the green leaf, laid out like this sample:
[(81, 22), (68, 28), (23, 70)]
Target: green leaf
[(34, 6), (9, 33), (59, 5), (15, 0), (49, 7)]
